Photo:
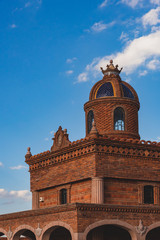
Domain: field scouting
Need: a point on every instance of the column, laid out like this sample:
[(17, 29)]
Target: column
[(35, 200), (97, 190)]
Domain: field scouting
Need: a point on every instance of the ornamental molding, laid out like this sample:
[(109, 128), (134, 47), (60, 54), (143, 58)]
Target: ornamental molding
[(99, 145), (9, 233), (94, 148), (38, 231), (119, 209), (141, 229), (60, 139)]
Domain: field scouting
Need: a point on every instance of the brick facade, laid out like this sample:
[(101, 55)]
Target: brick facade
[(94, 188)]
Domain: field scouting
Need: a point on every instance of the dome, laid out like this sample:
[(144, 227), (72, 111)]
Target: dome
[(113, 106), (106, 90), (112, 86)]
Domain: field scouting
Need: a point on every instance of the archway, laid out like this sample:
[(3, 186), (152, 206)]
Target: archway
[(24, 234), (153, 234), (108, 232), (57, 233), (3, 235)]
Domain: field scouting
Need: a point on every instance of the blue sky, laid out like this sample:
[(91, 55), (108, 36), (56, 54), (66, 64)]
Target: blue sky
[(50, 55)]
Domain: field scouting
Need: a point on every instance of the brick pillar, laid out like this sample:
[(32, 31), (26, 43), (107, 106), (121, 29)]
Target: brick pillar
[(97, 190), (35, 200)]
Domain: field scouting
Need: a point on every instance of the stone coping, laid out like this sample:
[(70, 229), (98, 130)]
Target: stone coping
[(82, 207)]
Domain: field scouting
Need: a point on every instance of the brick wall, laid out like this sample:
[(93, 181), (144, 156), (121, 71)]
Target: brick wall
[(121, 192), (76, 192), (138, 168), (81, 192), (103, 109), (63, 173)]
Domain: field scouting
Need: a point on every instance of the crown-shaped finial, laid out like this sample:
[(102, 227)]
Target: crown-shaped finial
[(111, 69)]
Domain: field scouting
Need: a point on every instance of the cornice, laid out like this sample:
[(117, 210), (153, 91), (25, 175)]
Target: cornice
[(99, 145), (112, 100), (81, 207), (118, 209), (38, 212)]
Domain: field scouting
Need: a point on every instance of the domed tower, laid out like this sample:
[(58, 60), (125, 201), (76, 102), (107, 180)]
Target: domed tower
[(113, 105)]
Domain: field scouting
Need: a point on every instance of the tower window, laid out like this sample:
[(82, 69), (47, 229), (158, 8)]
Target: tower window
[(63, 196), (90, 120), (119, 119), (148, 194)]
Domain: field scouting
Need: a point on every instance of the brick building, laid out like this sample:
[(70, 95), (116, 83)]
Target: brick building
[(102, 187)]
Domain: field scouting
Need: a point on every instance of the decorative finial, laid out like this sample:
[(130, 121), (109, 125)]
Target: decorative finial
[(65, 131), (28, 154), (28, 150), (93, 131), (60, 139), (111, 69)]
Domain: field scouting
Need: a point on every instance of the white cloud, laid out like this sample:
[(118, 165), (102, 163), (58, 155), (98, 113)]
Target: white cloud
[(3, 193), (1, 164), (83, 77), (22, 194), (52, 132), (28, 4), (128, 80), (131, 3), (152, 17), (13, 26), (33, 3), (103, 4), (69, 72), (157, 2), (19, 167), (153, 64), (135, 54), (155, 28), (71, 60), (136, 33), (100, 26), (46, 139), (143, 73), (124, 37)]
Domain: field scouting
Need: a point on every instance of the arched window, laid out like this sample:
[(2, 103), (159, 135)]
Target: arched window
[(90, 119), (119, 119), (148, 194), (63, 196)]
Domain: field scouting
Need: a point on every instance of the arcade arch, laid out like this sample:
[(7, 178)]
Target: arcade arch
[(153, 232), (24, 231), (3, 234), (57, 231), (110, 230)]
